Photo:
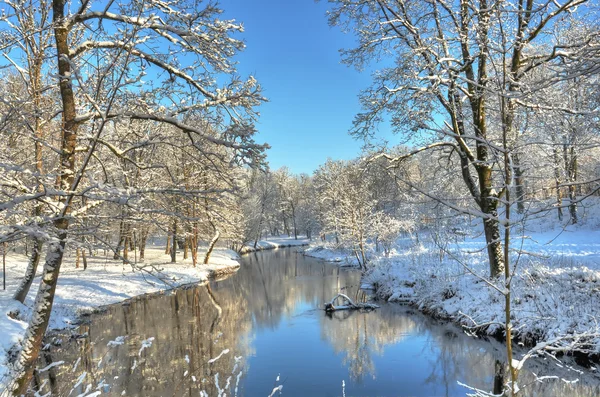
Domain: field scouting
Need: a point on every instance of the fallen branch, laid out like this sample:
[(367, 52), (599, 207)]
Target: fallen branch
[(349, 304)]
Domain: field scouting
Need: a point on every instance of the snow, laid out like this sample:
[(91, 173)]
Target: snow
[(104, 282), (275, 243), (212, 360), (276, 390), (146, 344), (555, 290), (328, 252), (117, 342), (51, 365)]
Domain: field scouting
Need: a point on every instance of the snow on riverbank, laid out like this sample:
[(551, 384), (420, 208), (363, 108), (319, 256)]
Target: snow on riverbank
[(328, 252), (275, 243), (556, 289), (106, 281)]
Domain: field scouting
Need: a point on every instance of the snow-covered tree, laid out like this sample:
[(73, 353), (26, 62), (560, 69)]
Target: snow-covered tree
[(452, 70), (456, 76), (112, 63)]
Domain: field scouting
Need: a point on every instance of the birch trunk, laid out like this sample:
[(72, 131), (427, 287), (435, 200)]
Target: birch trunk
[(557, 181), (572, 171), (211, 246), (519, 184)]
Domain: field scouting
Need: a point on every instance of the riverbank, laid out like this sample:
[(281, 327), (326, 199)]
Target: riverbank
[(105, 281), (555, 291), (244, 324), (275, 243)]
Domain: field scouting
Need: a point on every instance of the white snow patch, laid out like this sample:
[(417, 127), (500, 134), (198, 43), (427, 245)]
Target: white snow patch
[(212, 360), (105, 281)]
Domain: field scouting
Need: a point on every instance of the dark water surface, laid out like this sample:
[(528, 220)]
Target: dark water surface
[(267, 325)]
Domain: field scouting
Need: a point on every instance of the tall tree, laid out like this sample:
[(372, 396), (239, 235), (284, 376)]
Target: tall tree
[(102, 53), (452, 66)]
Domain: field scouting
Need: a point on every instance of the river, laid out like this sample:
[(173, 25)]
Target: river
[(262, 331)]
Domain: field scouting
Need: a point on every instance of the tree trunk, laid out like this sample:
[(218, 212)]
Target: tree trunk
[(572, 188), (186, 245), (257, 237), (35, 78), (84, 259), (286, 228), (294, 222), (134, 244), (194, 243), (494, 245), (143, 238), (117, 254), (168, 248), (77, 254), (486, 196), (174, 242), (489, 206), (32, 266), (32, 341), (498, 378), (519, 184), (557, 181), (42, 308), (211, 246), (363, 255), (126, 249), (335, 218)]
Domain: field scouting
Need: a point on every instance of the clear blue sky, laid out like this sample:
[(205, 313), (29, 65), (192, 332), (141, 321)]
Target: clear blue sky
[(313, 97)]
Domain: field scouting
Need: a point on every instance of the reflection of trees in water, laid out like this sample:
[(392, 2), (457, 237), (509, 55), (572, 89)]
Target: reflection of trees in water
[(359, 336), (198, 323), (480, 363), (201, 322), (188, 325), (275, 283), (453, 356)]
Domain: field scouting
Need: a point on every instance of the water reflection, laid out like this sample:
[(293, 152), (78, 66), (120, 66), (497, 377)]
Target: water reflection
[(265, 322), (358, 337)]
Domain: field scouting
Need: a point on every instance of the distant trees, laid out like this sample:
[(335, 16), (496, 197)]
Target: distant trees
[(278, 202), (258, 205)]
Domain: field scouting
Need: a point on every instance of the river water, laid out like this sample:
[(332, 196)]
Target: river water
[(262, 331)]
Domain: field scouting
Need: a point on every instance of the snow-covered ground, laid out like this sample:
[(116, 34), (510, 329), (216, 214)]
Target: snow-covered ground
[(330, 253), (556, 289), (274, 243), (104, 282)]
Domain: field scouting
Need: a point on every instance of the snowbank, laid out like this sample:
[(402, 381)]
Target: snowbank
[(274, 243), (329, 252), (556, 289), (105, 282)]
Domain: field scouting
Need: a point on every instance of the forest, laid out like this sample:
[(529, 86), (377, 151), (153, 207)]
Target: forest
[(128, 140)]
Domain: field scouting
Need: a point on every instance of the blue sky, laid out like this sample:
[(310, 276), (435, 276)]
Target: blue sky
[(313, 97)]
